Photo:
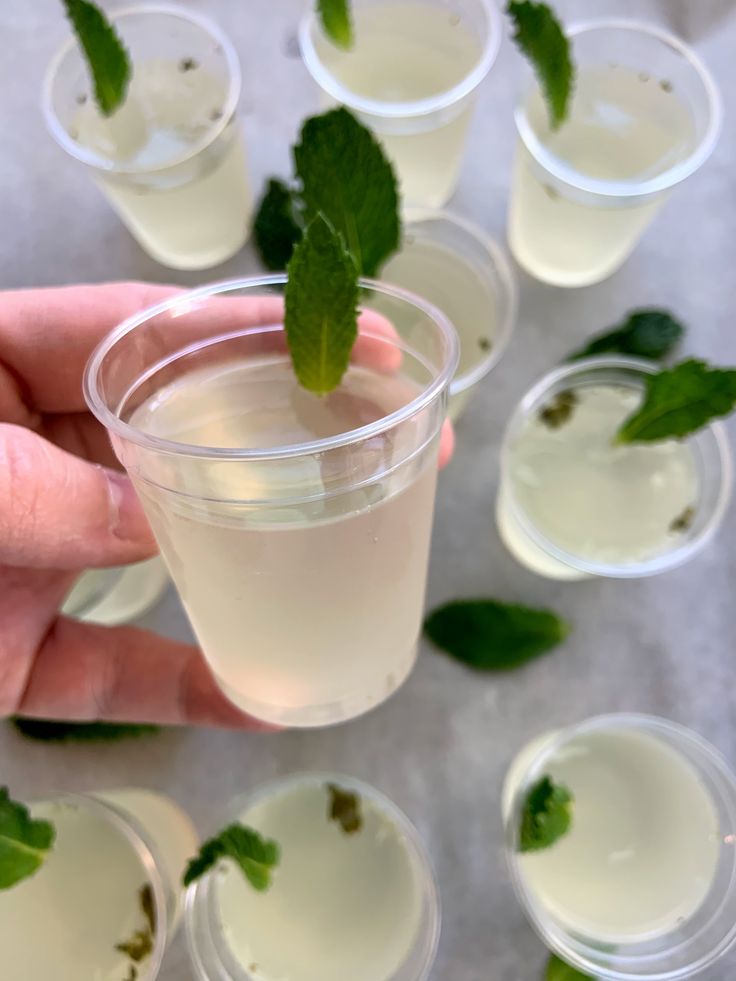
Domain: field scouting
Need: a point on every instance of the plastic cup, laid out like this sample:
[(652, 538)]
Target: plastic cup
[(701, 934), (213, 956), (534, 549), (170, 160), (423, 133), (454, 265), (302, 565), (117, 595), (573, 222)]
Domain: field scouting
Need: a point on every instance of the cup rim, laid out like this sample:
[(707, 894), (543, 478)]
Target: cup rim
[(92, 159), (199, 892), (397, 110), (658, 563), (125, 431), (622, 189), (657, 725), (509, 287)]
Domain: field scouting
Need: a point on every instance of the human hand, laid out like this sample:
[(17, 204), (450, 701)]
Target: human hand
[(64, 508)]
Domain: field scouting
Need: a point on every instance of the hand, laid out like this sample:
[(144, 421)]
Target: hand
[(64, 508)]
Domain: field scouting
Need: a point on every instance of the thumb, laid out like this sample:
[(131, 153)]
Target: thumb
[(59, 511)]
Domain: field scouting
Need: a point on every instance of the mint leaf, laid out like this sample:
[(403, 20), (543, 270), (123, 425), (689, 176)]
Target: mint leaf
[(558, 970), (679, 401), (256, 856), (106, 57), (275, 228), (24, 843), (542, 40), (345, 809), (647, 333), (321, 317), (546, 815), (346, 177), (336, 21), (45, 730), (492, 636)]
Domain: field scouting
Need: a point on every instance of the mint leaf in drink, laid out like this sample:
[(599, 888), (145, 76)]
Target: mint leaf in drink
[(106, 56), (254, 855), (45, 730), (276, 228), (345, 809), (646, 333), (492, 636), (679, 401), (24, 843), (542, 40), (347, 178), (546, 815), (336, 21), (141, 943), (321, 317), (559, 411), (558, 970)]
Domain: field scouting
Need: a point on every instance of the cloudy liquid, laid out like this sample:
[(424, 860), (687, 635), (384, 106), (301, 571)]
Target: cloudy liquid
[(307, 603), (643, 847), (611, 504), (188, 207), (117, 595), (624, 126), (406, 52), (340, 905)]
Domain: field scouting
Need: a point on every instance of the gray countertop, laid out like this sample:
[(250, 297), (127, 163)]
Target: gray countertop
[(440, 747)]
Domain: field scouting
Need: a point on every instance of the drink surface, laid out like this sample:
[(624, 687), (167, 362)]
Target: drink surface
[(305, 591), (340, 905), (601, 502), (643, 846)]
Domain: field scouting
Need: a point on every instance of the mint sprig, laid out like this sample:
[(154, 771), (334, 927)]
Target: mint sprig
[(679, 401), (647, 333), (558, 970), (24, 843), (541, 39), (489, 635), (276, 228), (546, 815), (321, 315), (254, 855), (106, 56), (336, 21), (44, 730)]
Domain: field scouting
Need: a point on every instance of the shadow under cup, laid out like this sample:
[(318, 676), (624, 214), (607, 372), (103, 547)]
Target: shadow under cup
[(301, 561)]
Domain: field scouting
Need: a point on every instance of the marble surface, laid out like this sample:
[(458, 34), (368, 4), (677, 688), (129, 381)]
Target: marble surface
[(441, 745)]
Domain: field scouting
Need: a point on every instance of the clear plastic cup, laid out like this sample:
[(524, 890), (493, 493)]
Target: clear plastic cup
[(457, 267), (705, 787), (214, 957), (645, 114), (117, 595), (132, 839), (296, 529), (534, 548), (170, 160), (411, 77)]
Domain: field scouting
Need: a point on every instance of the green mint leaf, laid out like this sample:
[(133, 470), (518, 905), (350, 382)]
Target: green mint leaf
[(559, 411), (492, 636), (106, 57), (138, 947), (546, 815), (275, 228), (679, 401), (542, 40), (336, 21), (558, 970), (345, 809), (321, 316), (647, 333), (24, 843), (45, 730), (346, 176), (256, 856)]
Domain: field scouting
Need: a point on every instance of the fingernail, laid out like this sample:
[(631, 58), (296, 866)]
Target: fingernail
[(127, 520)]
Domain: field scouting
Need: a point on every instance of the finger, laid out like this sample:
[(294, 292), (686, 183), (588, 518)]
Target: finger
[(447, 443), (84, 672), (61, 512)]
